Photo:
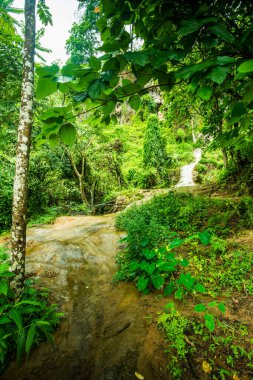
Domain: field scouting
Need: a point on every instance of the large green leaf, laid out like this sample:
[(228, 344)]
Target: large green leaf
[(209, 322), (246, 67), (157, 280), (108, 107), (67, 134), (134, 102), (16, 316), (30, 338), (4, 286), (205, 92), (147, 267), (238, 110), (137, 57), (200, 307), (218, 74), (142, 283), (95, 89), (108, 7), (95, 63), (205, 237), (21, 339), (47, 71), (45, 87), (222, 32), (186, 280)]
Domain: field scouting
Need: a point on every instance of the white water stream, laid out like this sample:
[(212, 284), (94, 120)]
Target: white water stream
[(186, 173)]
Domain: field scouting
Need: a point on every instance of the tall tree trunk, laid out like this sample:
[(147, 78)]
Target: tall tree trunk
[(18, 237)]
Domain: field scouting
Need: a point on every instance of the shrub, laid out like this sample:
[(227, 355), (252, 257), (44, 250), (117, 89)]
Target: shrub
[(25, 322)]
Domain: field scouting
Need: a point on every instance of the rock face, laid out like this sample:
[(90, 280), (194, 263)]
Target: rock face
[(104, 335)]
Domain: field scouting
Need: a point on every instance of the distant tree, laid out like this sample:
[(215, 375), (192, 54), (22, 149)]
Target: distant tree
[(154, 150), (84, 38)]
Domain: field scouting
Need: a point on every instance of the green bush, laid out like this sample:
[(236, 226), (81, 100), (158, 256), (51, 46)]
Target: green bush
[(184, 213), (25, 322)]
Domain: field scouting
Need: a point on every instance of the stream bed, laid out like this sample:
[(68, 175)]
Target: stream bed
[(105, 334)]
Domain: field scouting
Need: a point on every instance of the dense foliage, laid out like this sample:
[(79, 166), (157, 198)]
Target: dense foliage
[(26, 321)]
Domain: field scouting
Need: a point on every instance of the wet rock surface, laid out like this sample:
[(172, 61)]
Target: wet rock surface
[(105, 334)]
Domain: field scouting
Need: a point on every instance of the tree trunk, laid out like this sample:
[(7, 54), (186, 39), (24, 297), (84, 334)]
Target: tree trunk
[(18, 237), (81, 187), (225, 157)]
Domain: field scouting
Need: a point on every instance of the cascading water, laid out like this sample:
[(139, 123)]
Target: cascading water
[(186, 173)]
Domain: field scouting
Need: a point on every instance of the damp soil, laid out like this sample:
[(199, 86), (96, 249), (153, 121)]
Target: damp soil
[(106, 333)]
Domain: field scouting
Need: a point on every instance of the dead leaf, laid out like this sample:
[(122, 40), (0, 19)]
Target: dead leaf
[(188, 341), (139, 376), (206, 367), (235, 377)]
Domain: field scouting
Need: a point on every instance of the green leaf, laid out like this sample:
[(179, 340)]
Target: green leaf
[(222, 307), (29, 302), (134, 266), (190, 26), (134, 102), (218, 74), (209, 322), (4, 320), (47, 71), (238, 110), (149, 254), (222, 33), (53, 140), (4, 287), (184, 263), (169, 289), (246, 67), (248, 93), (95, 63), (167, 266), (30, 338), (212, 304), (142, 283), (157, 280), (109, 107), (149, 268), (186, 280), (95, 89), (21, 345), (200, 288), (179, 294), (67, 134), (109, 8), (45, 87), (205, 237), (69, 69), (205, 92), (224, 60), (16, 316), (200, 307), (137, 57)]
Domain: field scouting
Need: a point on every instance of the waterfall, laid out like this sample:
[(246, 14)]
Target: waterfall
[(186, 173)]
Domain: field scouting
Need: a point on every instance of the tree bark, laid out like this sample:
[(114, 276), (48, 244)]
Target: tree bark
[(19, 208)]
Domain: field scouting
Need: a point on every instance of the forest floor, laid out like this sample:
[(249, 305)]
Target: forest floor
[(109, 330)]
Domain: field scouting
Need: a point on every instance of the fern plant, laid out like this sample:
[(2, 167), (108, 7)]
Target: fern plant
[(26, 322)]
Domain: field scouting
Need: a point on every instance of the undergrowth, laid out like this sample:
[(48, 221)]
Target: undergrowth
[(177, 244), (26, 321)]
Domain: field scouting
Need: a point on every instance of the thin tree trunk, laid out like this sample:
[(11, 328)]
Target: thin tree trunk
[(18, 237), (225, 157)]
